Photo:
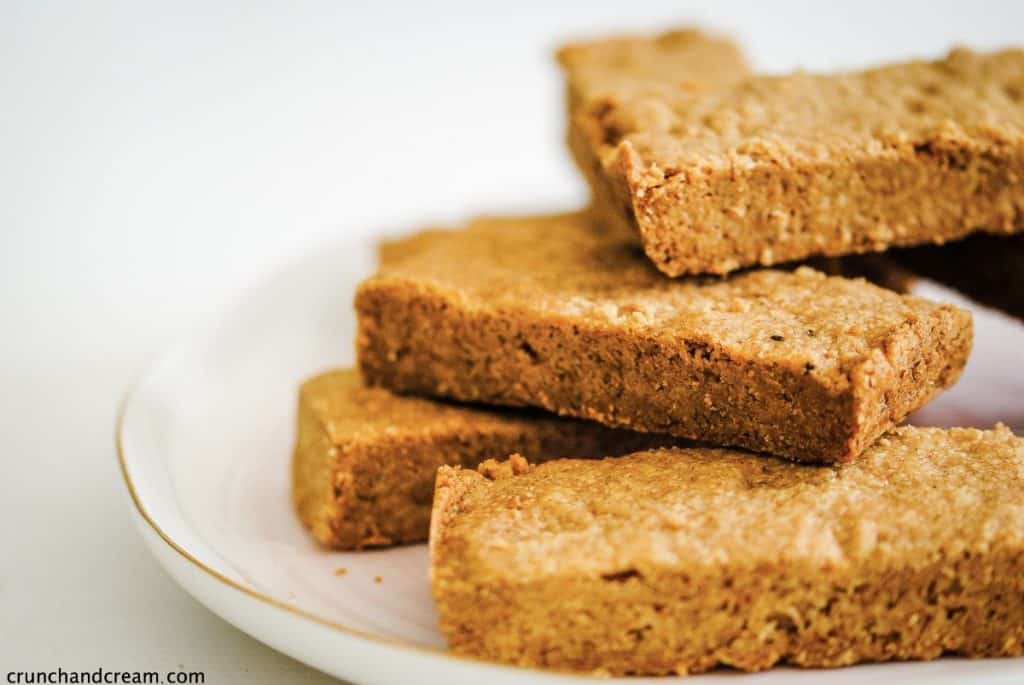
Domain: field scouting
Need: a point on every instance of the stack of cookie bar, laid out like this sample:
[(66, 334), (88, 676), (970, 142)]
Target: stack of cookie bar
[(654, 450)]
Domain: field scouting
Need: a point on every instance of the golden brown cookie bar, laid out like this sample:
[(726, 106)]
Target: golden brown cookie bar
[(778, 168), (555, 312), (678, 560), (365, 459)]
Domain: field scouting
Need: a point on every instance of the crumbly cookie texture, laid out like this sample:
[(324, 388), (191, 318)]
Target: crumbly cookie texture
[(777, 168), (682, 559), (987, 268), (627, 68), (555, 312), (365, 459)]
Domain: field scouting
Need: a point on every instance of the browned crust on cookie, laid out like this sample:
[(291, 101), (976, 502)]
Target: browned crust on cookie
[(552, 312), (365, 459), (680, 560), (780, 168)]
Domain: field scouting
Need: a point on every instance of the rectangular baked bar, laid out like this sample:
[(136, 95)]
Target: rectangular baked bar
[(770, 169), (679, 560), (365, 459), (556, 313), (986, 268)]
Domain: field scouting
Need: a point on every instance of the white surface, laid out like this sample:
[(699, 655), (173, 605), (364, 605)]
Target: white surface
[(206, 437), (153, 157)]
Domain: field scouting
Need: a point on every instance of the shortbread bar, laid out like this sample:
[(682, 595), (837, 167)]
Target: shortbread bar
[(365, 459), (680, 560), (556, 313), (770, 169)]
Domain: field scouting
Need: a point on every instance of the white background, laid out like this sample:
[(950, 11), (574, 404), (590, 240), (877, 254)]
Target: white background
[(153, 159)]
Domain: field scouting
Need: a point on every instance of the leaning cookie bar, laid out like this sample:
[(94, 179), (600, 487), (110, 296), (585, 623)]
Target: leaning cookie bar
[(365, 459), (770, 169), (680, 560), (556, 313)]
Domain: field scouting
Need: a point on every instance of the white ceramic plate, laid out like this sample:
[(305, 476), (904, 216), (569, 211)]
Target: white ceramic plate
[(205, 439)]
